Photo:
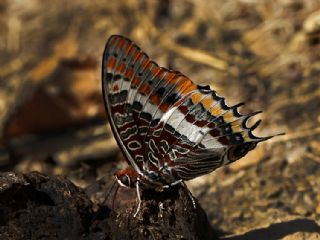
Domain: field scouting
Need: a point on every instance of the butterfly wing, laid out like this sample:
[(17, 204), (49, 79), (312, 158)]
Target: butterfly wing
[(133, 87), (198, 133), (166, 124)]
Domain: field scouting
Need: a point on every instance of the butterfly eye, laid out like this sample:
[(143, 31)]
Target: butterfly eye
[(125, 180)]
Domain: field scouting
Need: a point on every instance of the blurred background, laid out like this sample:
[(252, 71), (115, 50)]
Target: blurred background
[(263, 52)]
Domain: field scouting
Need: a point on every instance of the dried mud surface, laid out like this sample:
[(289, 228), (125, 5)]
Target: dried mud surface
[(52, 119), (36, 206)]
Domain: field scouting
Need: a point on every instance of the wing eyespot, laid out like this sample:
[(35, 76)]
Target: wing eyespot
[(240, 151)]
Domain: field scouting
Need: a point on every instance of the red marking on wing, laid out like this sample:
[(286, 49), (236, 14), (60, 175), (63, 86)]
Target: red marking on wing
[(155, 99), (111, 63), (136, 81), (138, 56), (115, 88), (162, 72), (146, 63), (224, 140), (129, 48), (121, 68), (129, 73), (190, 118), (122, 42), (145, 88), (155, 71), (186, 86), (182, 85), (170, 77), (214, 132), (164, 107), (153, 168), (211, 125), (184, 109), (201, 123)]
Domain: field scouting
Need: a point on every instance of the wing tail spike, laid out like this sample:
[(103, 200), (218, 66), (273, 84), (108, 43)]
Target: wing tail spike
[(262, 139), (238, 105), (235, 109), (245, 121), (280, 134), (255, 113), (255, 125), (272, 136)]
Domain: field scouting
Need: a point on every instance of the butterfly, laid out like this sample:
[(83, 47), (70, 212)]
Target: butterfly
[(169, 129)]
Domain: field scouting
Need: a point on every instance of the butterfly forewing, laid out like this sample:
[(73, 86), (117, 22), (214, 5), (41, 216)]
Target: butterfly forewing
[(133, 89)]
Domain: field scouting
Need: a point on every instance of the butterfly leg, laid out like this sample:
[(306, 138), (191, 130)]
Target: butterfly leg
[(186, 189), (176, 182), (173, 184), (139, 199), (110, 191), (189, 194)]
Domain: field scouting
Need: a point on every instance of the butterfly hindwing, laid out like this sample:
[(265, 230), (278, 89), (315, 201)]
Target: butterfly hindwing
[(201, 133)]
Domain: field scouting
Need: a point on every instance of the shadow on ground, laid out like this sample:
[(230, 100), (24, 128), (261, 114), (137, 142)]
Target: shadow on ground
[(279, 230)]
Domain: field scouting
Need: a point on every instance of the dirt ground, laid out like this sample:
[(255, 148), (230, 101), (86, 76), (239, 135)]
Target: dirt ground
[(265, 53)]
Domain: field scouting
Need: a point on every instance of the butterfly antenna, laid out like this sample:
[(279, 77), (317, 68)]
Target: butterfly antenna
[(110, 190), (114, 196), (95, 217), (189, 195)]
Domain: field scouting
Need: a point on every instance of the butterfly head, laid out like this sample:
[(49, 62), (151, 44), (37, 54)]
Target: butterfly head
[(127, 177)]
